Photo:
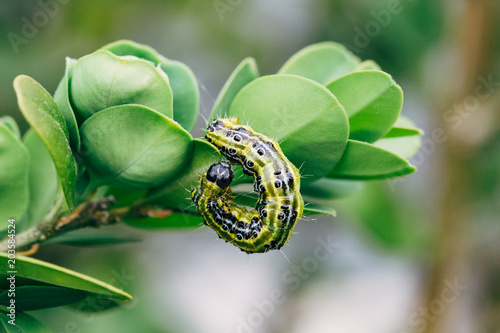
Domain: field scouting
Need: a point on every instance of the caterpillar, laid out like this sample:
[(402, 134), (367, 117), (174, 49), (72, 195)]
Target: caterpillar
[(280, 205)]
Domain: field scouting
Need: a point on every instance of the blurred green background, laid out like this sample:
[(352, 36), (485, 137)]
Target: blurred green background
[(419, 254)]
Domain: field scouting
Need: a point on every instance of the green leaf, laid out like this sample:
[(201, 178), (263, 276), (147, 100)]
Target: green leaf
[(29, 298), (127, 47), (404, 139), (11, 124), (14, 190), (302, 115), (43, 184), (322, 62), (185, 90), (131, 145), (42, 113), (24, 324), (318, 209), (403, 127), (397, 132), (372, 101), (404, 146), (36, 272), (91, 240), (102, 80), (176, 220), (331, 188), (61, 97), (244, 73), (368, 65), (177, 194), (182, 81), (364, 161)]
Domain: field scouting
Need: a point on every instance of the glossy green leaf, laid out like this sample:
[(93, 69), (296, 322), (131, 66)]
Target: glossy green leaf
[(404, 146), (29, 298), (312, 208), (123, 198), (403, 127), (331, 188), (37, 272), (368, 65), (11, 124), (42, 113), (61, 97), (185, 90), (365, 161), (14, 190), (102, 80), (372, 101), (85, 240), (176, 220), (134, 146), (43, 183), (404, 139), (24, 324), (182, 80), (322, 62), (127, 47), (302, 115), (244, 73), (176, 194), (397, 132)]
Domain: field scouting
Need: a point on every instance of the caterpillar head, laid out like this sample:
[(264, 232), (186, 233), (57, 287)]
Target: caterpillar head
[(220, 174)]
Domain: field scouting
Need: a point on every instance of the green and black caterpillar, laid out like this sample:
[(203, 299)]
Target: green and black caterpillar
[(270, 225)]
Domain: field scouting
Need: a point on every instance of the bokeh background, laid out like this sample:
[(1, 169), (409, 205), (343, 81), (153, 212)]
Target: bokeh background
[(420, 254)]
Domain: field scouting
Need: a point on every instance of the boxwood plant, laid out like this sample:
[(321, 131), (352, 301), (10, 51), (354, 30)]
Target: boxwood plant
[(113, 145)]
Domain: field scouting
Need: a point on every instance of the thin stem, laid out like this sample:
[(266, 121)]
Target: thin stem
[(88, 214)]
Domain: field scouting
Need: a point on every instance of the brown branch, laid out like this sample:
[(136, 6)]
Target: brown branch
[(88, 214)]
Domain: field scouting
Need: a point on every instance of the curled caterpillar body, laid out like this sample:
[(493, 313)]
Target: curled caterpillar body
[(270, 225)]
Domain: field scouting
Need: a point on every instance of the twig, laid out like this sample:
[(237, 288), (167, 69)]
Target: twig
[(88, 214)]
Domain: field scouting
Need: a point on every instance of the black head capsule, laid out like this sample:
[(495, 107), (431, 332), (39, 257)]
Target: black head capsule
[(220, 174)]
